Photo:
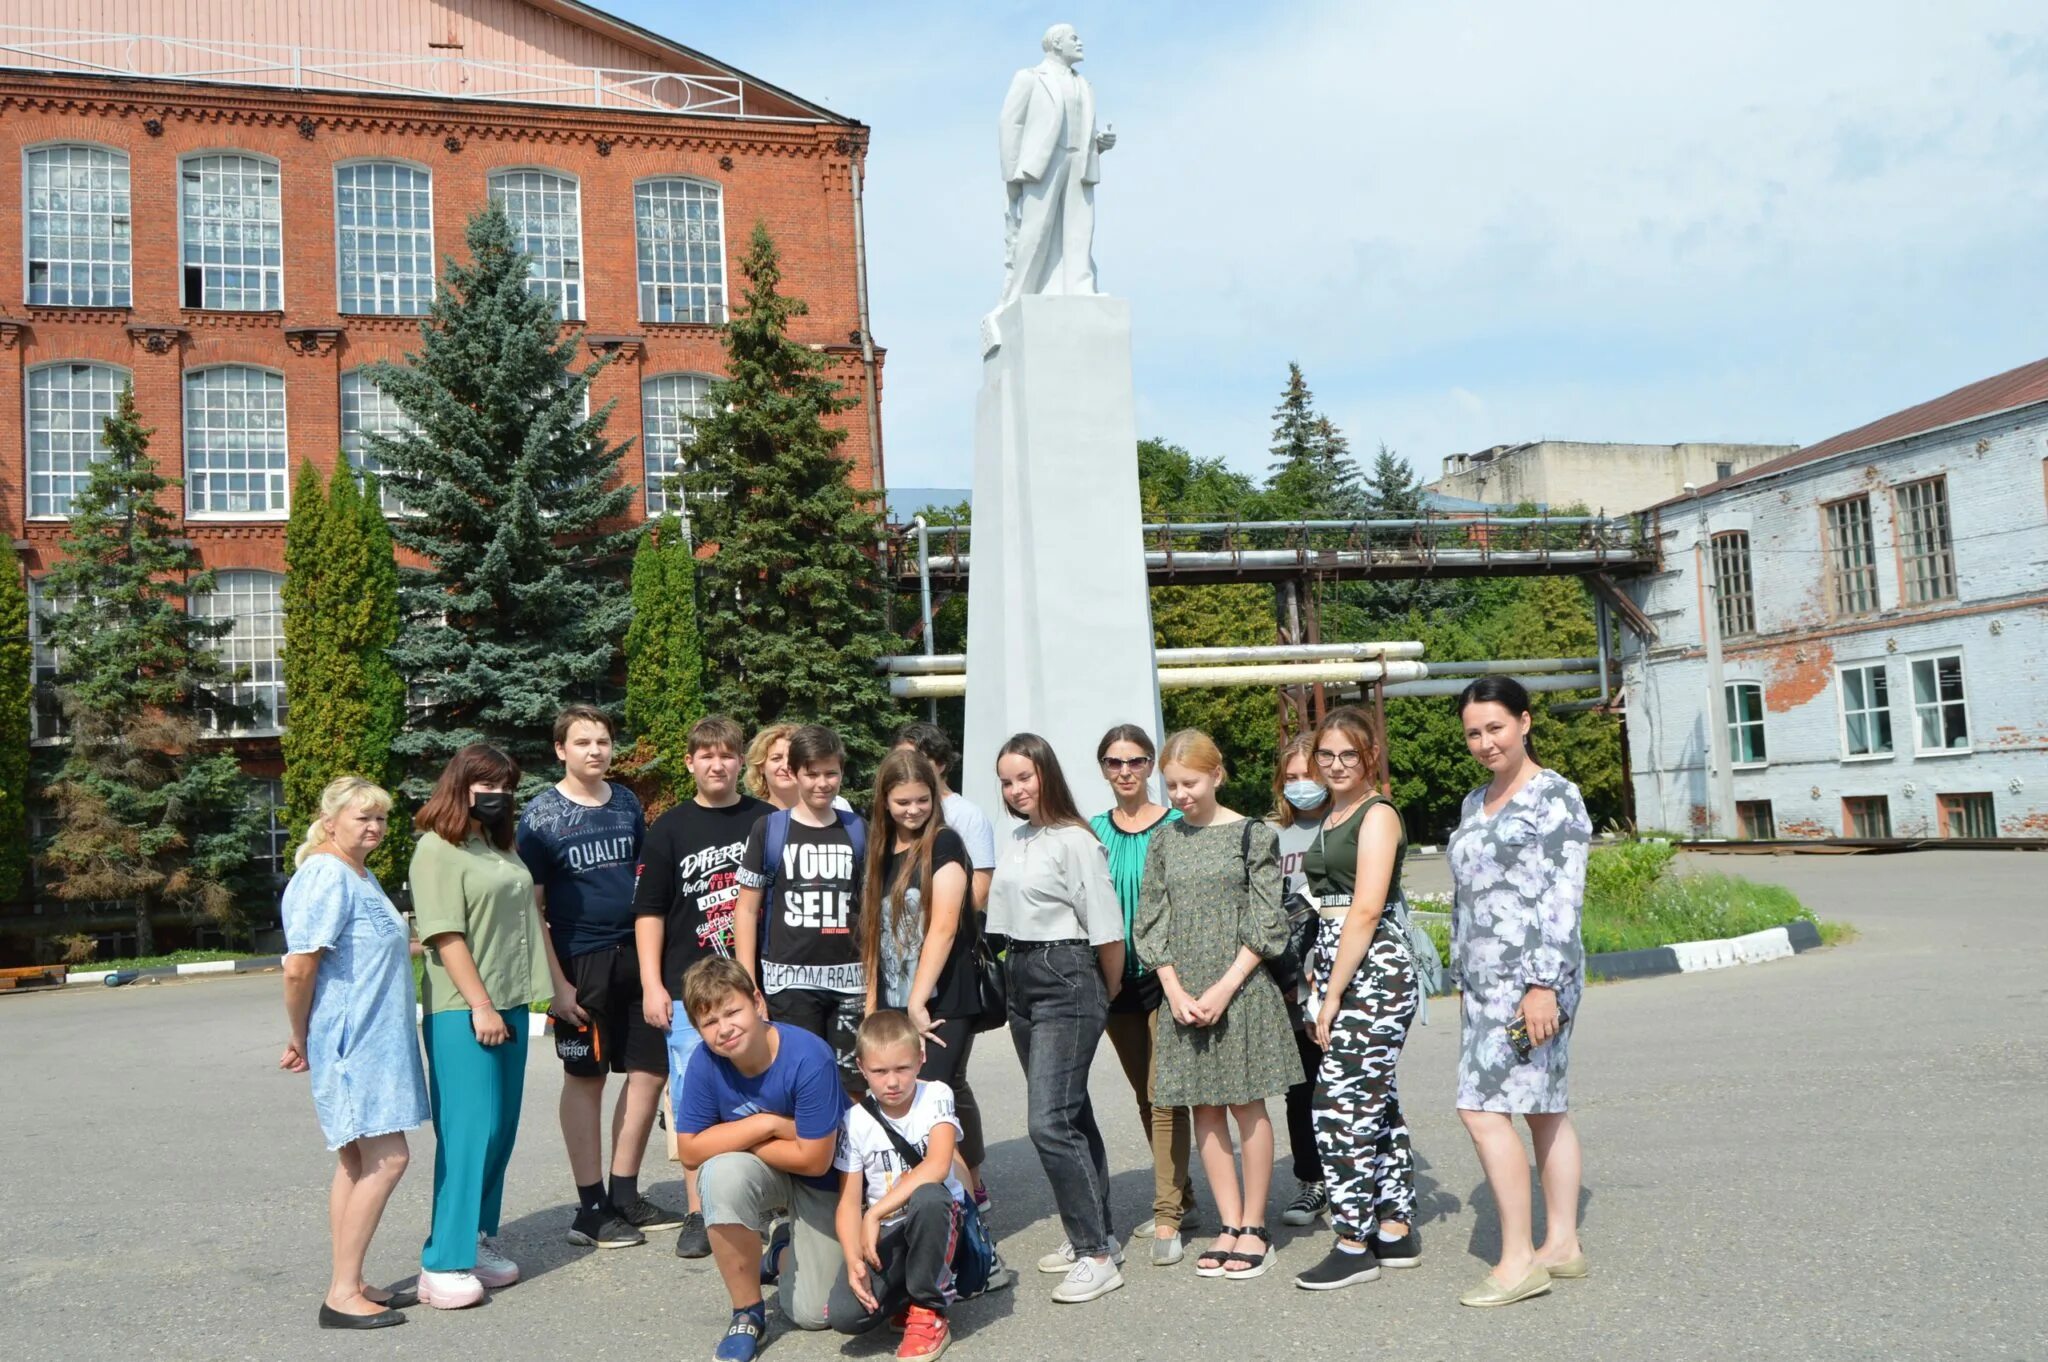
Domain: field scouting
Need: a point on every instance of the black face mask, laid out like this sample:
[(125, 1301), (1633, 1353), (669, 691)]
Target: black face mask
[(492, 808)]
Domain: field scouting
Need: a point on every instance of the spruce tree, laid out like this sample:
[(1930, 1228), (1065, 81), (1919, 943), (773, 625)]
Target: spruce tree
[(1391, 490), (512, 502), (341, 618), (1313, 475), (793, 591), (664, 660), (16, 701), (148, 811)]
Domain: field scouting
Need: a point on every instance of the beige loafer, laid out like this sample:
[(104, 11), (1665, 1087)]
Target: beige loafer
[(1491, 1292), (1571, 1269)]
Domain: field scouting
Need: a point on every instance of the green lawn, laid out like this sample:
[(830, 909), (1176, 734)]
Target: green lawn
[(1633, 903)]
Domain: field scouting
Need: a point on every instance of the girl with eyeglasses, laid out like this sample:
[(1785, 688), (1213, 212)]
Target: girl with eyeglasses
[(1126, 755), (1362, 997)]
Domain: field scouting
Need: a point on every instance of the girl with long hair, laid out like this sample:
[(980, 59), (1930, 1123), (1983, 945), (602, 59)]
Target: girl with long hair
[(1363, 994), (917, 934), (1518, 870), (1053, 899)]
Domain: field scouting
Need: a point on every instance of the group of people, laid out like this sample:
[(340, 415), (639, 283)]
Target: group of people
[(809, 984)]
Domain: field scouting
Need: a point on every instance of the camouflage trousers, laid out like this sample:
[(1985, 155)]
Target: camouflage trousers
[(1368, 1160)]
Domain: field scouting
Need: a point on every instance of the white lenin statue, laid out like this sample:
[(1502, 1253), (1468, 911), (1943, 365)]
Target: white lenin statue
[(1052, 159)]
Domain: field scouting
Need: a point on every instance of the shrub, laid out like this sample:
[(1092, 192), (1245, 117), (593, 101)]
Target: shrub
[(1625, 872)]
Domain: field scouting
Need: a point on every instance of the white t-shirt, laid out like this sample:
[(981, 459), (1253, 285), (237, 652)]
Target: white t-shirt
[(1294, 844), (864, 1147), (963, 817)]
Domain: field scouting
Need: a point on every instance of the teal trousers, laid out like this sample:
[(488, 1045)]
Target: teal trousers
[(474, 1091)]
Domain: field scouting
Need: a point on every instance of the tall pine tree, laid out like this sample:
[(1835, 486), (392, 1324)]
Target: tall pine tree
[(511, 500), (664, 659), (793, 591), (1391, 489), (148, 810), (1313, 475), (16, 699), (341, 618)]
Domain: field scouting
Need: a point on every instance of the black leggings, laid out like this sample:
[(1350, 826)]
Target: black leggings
[(948, 1064)]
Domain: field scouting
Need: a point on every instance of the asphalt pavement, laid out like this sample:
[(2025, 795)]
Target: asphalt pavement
[(1834, 1156)]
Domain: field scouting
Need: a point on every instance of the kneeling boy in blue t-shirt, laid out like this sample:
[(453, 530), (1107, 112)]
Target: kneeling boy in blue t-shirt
[(759, 1117)]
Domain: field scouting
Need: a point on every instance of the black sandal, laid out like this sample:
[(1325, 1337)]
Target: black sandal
[(1241, 1265), (1214, 1262)]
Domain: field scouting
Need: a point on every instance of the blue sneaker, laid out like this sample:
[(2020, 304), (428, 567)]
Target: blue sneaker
[(771, 1261), (742, 1341)]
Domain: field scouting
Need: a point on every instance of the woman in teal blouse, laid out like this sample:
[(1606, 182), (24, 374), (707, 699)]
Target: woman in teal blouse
[(1126, 755)]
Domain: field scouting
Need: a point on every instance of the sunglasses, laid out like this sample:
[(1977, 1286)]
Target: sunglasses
[(1119, 765)]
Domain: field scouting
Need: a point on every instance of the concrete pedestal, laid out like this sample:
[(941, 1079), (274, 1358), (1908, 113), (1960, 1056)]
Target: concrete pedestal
[(1059, 622)]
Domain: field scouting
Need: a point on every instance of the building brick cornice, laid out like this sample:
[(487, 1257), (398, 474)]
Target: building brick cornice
[(625, 347), (10, 332), (313, 112)]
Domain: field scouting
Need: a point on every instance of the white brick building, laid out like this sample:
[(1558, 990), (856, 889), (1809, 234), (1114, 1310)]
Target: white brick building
[(1884, 619)]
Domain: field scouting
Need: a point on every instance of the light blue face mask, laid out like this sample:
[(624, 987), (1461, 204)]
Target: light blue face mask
[(1304, 794)]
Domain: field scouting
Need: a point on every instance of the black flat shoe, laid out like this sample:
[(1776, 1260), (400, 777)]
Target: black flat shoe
[(331, 1318), (398, 1300)]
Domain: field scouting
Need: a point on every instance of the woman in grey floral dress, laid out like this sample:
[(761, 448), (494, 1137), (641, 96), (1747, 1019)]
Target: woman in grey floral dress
[(1518, 865), (1208, 917)]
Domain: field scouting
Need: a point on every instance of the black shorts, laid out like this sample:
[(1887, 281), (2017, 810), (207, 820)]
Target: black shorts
[(617, 1038), (832, 1017)]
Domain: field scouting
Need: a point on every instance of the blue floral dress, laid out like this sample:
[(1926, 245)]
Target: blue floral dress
[(362, 1044), (1519, 877)]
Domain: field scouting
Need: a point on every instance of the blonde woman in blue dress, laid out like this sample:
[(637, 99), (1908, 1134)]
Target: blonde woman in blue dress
[(1518, 864), (348, 997)]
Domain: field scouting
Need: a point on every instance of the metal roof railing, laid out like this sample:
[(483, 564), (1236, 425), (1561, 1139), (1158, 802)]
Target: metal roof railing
[(162, 57)]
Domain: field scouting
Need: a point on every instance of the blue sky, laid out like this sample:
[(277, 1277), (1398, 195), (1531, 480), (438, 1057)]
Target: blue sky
[(1470, 222)]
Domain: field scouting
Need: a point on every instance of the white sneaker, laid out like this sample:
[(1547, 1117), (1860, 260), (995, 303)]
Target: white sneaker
[(493, 1268), (449, 1290), (1062, 1258), (1087, 1280)]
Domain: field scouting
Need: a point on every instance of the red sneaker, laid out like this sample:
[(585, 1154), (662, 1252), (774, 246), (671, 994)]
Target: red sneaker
[(925, 1335), (900, 1319)]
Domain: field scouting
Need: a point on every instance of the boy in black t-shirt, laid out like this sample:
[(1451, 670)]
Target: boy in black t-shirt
[(689, 886), (805, 864)]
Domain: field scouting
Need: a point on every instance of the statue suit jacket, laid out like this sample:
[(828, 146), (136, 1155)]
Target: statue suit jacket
[(1033, 123)]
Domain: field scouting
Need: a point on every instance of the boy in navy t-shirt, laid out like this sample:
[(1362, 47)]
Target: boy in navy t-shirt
[(581, 839), (759, 1117)]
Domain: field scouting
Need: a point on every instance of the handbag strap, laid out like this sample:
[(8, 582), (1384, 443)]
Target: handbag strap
[(904, 1148)]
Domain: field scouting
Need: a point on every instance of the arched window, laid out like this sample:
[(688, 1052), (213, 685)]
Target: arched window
[(253, 649), (366, 410), (235, 457), (68, 405), (384, 237), (680, 229), (670, 407), (546, 213), (233, 233), (79, 241)]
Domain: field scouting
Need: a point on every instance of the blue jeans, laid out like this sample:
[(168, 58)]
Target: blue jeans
[(684, 1040), (1058, 1005)]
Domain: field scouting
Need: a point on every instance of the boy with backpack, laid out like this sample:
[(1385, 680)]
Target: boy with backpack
[(912, 1241), (796, 927)]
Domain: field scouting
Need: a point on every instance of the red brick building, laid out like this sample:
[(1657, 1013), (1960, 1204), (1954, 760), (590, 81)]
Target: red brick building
[(237, 207)]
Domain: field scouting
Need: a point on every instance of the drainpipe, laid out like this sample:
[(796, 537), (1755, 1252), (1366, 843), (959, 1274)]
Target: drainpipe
[(867, 339), (924, 603), (1600, 627)]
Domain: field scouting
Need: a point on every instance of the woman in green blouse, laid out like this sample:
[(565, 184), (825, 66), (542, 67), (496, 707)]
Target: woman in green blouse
[(486, 963), (1125, 754)]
